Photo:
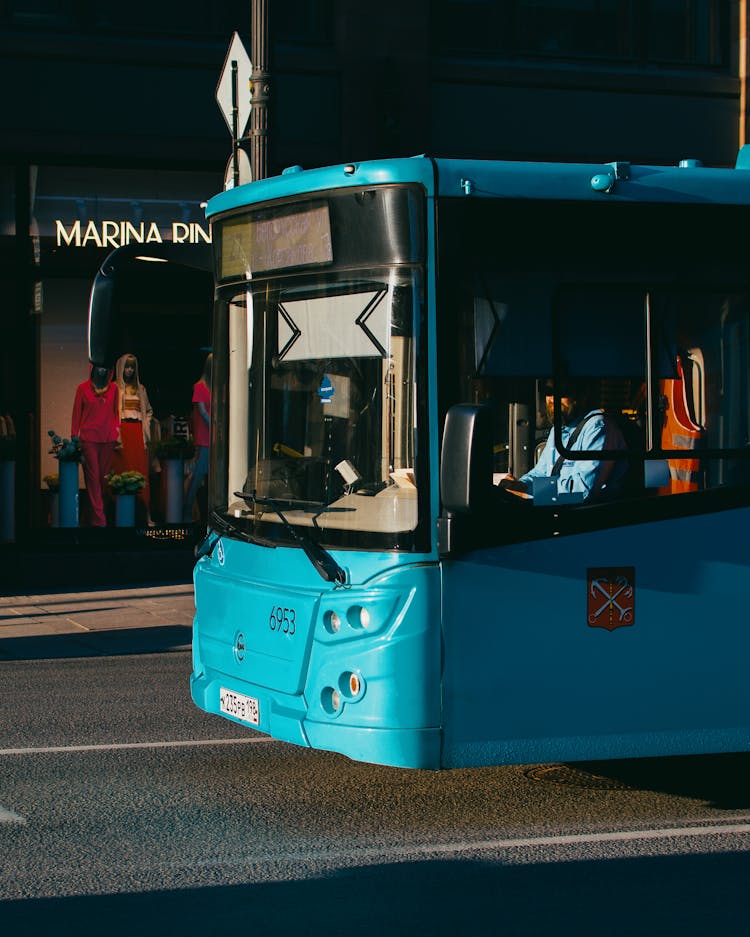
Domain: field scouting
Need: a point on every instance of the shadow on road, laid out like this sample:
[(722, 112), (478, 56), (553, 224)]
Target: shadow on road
[(689, 896), (722, 781), (151, 640)]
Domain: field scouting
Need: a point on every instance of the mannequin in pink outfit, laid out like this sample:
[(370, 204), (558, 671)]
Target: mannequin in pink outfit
[(201, 426), (96, 421)]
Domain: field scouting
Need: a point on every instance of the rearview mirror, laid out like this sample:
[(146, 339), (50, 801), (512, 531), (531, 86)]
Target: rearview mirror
[(466, 458)]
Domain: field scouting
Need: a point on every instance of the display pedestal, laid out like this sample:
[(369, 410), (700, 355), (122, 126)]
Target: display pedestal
[(7, 502), (54, 509), (68, 494), (175, 488), (124, 510)]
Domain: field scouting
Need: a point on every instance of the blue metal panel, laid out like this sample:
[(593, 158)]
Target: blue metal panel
[(528, 679), (417, 169), (502, 179), (495, 179)]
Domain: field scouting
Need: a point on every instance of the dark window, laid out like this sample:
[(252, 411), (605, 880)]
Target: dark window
[(657, 339), (297, 20), (680, 32), (600, 28), (684, 31), (305, 21), (139, 17)]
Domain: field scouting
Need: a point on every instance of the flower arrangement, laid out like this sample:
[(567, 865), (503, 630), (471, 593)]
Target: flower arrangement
[(127, 483), (173, 447), (52, 482), (65, 450)]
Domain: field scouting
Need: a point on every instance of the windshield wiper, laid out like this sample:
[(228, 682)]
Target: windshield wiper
[(321, 559), (218, 523)]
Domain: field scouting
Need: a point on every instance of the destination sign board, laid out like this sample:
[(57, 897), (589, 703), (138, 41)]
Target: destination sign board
[(275, 240)]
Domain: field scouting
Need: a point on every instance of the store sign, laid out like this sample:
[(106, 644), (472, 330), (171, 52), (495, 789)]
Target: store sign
[(115, 234)]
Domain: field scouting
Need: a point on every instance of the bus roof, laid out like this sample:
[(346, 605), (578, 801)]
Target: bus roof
[(619, 181)]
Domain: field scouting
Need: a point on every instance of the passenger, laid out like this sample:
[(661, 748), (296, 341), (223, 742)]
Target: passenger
[(583, 429)]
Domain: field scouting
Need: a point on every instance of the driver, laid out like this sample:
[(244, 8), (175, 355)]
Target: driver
[(583, 429)]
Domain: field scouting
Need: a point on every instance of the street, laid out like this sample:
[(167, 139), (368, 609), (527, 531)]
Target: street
[(125, 810)]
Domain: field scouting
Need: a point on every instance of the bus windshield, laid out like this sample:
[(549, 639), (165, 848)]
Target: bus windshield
[(317, 425)]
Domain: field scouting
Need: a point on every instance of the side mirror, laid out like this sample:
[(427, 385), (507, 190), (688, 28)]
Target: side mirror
[(466, 458), (105, 326)]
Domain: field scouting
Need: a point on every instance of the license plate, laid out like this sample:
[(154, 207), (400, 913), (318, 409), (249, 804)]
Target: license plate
[(240, 706)]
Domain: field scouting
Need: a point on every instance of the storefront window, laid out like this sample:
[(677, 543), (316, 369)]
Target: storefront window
[(78, 217)]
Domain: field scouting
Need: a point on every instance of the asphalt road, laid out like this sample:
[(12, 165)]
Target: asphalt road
[(124, 810)]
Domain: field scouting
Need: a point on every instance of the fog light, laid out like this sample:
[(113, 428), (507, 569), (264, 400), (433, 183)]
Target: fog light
[(330, 700), (354, 684)]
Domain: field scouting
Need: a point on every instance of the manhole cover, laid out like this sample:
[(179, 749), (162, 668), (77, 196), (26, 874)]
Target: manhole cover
[(574, 777)]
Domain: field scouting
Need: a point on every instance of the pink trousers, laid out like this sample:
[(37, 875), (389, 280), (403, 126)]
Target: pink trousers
[(97, 461)]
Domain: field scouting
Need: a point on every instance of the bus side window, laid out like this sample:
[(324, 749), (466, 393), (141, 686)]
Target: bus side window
[(623, 401)]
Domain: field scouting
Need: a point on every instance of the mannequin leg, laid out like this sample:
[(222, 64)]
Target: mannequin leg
[(197, 474), (94, 478)]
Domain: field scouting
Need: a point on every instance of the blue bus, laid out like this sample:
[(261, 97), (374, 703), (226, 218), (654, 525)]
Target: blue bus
[(387, 338)]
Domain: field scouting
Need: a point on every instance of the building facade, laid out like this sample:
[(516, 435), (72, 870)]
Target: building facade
[(111, 134)]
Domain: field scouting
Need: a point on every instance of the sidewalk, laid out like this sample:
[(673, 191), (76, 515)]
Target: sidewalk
[(87, 558), (138, 620)]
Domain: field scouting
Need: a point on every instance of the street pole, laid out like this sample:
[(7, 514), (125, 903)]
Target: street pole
[(235, 126), (261, 89)]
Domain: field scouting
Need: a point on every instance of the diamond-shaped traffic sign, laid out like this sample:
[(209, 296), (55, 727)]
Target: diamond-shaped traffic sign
[(231, 93)]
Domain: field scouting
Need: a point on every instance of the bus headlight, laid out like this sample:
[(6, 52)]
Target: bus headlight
[(332, 622), (358, 617)]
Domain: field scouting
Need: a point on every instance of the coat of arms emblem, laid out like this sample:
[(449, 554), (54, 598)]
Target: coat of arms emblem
[(611, 597)]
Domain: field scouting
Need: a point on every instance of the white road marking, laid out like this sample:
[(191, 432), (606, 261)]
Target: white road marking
[(412, 850), (118, 746), (576, 839), (7, 816), (707, 828), (409, 850)]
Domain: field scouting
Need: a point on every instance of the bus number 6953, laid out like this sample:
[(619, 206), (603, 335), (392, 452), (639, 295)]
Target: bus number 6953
[(283, 619)]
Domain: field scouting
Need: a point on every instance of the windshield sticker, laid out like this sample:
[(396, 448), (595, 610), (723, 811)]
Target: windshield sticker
[(326, 390), (355, 325)]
